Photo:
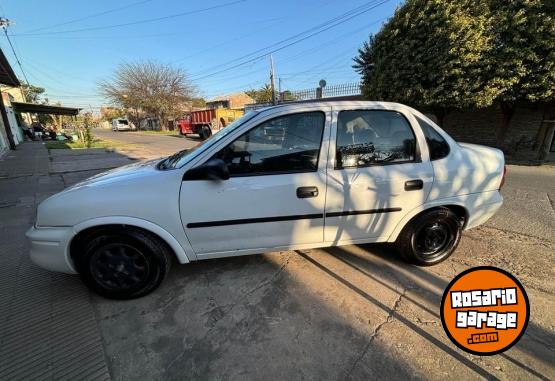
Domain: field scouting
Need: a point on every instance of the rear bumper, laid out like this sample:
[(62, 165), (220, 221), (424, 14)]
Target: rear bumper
[(478, 215), (50, 248)]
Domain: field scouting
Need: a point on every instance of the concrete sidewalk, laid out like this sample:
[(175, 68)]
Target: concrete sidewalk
[(353, 312), (48, 327)]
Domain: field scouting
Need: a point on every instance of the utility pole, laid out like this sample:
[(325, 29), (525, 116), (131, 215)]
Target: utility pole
[(272, 80), (5, 23)]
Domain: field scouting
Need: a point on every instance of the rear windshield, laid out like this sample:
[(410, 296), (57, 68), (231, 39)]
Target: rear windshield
[(122, 121)]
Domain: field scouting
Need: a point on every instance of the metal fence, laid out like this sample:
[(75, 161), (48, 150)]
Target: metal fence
[(340, 90), (334, 91)]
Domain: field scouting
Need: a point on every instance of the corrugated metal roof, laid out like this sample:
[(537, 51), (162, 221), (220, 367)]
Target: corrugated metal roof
[(44, 109)]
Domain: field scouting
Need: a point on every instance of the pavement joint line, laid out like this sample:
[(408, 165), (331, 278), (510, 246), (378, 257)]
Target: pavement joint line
[(544, 240), (55, 173), (10, 177)]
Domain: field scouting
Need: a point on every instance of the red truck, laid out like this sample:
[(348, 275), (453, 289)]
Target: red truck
[(206, 122)]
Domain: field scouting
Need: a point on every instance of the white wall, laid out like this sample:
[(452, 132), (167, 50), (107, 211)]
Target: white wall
[(4, 143), (16, 130)]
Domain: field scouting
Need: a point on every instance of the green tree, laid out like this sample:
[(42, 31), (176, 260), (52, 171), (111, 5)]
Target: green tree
[(32, 93), (287, 95), (198, 102), (430, 55), (262, 95), (87, 135), (523, 55), (442, 55)]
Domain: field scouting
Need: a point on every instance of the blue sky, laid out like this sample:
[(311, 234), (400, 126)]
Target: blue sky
[(68, 46)]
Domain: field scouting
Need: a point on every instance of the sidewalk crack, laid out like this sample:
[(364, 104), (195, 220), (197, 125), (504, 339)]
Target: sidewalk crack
[(376, 331), (551, 202)]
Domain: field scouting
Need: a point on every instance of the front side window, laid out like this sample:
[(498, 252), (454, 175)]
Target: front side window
[(372, 137), (286, 144)]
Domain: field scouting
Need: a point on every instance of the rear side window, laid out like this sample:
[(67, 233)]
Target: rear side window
[(438, 147), (373, 137)]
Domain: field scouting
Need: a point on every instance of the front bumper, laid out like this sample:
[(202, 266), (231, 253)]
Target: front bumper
[(50, 248)]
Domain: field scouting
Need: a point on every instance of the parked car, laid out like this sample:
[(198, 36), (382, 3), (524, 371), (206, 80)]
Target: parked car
[(122, 124), (337, 173)]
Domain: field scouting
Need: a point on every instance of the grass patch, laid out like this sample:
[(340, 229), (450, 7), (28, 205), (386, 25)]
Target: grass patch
[(97, 143)]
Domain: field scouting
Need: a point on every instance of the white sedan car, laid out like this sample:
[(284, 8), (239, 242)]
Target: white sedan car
[(294, 176)]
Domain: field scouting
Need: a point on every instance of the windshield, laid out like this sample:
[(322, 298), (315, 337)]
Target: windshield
[(179, 159), (122, 121)]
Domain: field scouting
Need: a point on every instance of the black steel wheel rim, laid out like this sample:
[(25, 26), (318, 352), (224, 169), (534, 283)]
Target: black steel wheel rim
[(433, 240), (119, 266)]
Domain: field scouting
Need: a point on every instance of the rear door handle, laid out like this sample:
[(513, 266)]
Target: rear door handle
[(414, 185), (307, 192)]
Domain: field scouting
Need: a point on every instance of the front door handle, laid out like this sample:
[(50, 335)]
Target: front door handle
[(414, 185), (306, 192)]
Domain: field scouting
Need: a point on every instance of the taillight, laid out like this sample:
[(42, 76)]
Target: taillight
[(503, 177)]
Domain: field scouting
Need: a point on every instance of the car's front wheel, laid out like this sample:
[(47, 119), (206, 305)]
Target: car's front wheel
[(430, 238), (123, 265)]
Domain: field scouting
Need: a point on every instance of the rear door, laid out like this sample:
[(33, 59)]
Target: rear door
[(276, 194), (378, 171)]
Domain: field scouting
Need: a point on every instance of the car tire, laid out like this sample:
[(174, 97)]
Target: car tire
[(430, 238), (123, 265)]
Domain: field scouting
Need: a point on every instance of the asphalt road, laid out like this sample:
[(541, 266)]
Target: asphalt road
[(529, 202), (355, 312), (145, 146)]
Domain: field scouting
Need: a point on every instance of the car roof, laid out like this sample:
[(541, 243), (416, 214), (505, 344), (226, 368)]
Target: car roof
[(337, 104)]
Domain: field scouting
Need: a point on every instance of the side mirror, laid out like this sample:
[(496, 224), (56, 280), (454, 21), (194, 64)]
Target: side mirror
[(213, 169)]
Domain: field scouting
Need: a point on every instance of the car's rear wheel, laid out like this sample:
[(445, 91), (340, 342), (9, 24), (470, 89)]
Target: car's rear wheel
[(430, 238), (123, 265)]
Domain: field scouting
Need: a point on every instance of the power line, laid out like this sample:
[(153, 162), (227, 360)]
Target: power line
[(90, 16), (298, 35), (144, 21), (51, 79), (5, 23), (226, 42), (337, 21), (302, 54)]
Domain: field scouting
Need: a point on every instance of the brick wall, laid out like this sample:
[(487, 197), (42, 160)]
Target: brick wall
[(478, 126)]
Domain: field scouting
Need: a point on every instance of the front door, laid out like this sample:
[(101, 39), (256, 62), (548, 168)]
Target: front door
[(376, 175), (276, 192)]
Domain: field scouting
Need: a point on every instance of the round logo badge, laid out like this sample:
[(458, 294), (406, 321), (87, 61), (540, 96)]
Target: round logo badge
[(485, 310)]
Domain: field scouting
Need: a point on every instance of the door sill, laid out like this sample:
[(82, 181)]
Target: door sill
[(236, 253)]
